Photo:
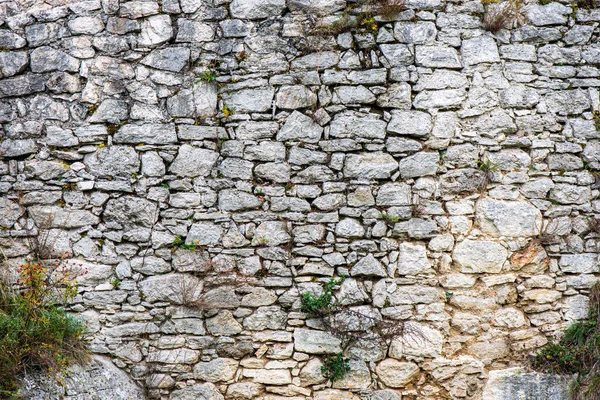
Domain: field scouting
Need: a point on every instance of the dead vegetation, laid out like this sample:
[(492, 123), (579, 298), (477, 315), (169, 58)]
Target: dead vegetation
[(505, 14)]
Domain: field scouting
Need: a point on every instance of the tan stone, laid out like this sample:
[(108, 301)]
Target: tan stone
[(394, 373)]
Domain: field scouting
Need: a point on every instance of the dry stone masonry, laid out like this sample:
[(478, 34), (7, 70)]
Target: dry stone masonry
[(210, 161)]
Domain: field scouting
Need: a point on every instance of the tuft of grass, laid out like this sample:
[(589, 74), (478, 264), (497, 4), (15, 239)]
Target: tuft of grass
[(502, 15), (389, 219), (578, 352), (335, 367), (486, 166)]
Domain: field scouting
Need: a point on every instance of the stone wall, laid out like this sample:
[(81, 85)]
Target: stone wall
[(448, 171)]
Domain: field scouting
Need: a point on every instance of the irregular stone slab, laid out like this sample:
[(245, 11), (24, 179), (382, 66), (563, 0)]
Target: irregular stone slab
[(468, 181), (413, 259), (317, 7), (204, 234), (256, 9), (300, 127), (316, 61), (437, 57), (567, 102), (570, 194), (131, 212), (478, 50), (57, 217), (45, 107), (479, 256), (100, 377), (16, 148), (315, 342), (357, 125), (193, 31), (10, 212), (585, 263), (398, 95), (369, 166), (155, 30), (250, 100), (549, 14), (294, 97), (440, 99), (397, 55), (419, 164), (115, 161), (349, 227), (169, 59), (168, 287), (236, 200), (45, 59), (413, 123), (394, 194), (368, 266), (217, 370), (516, 383), (193, 161), (147, 133), (395, 373), (508, 218), (112, 111), (205, 391), (421, 32)]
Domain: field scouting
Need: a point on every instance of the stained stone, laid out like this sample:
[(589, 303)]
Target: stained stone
[(479, 256)]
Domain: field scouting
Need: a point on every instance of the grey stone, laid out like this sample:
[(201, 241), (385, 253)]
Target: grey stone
[(549, 14), (235, 200), (266, 151), (369, 166), (519, 96), (437, 57), (567, 102), (250, 100), (398, 95), (16, 148), (315, 342), (168, 287), (256, 9), (112, 161), (570, 194), (368, 266), (349, 227), (421, 32), (193, 31), (294, 97), (316, 61), (236, 168), (516, 382), (414, 123), (397, 55), (508, 218), (318, 7), (357, 125), (86, 25), (58, 217), (300, 127), (480, 49), (131, 212), (394, 194), (419, 164), (193, 161), (111, 111), (413, 260), (441, 99), (13, 62), (147, 133), (217, 370), (45, 107), (169, 58), (204, 234), (155, 30)]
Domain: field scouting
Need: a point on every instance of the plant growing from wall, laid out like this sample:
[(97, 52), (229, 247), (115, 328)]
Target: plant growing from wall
[(335, 367), (36, 333), (578, 352), (500, 15)]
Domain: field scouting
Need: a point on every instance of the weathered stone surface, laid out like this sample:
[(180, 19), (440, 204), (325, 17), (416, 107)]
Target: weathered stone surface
[(217, 370), (315, 342), (148, 133), (192, 161), (479, 256), (515, 383), (413, 123), (508, 218), (256, 9), (368, 266), (370, 166), (131, 212), (205, 391), (413, 260), (100, 377), (155, 30), (169, 59), (300, 127), (113, 161), (481, 49), (396, 374)]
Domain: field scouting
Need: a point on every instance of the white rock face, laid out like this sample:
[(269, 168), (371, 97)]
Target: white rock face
[(516, 382), (508, 218), (479, 256)]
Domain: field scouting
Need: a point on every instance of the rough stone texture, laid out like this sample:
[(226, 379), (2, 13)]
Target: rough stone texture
[(221, 159)]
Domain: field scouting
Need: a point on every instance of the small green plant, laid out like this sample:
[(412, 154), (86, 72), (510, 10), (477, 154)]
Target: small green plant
[(577, 353), (389, 219), (227, 112), (259, 192), (486, 166), (207, 76), (179, 242), (165, 185), (115, 282), (335, 367), (69, 186), (322, 304), (596, 118), (92, 109), (134, 175)]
